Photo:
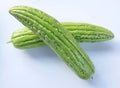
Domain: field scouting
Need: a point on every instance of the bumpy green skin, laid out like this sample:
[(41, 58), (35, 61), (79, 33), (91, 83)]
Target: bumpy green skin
[(24, 38), (84, 32), (57, 38)]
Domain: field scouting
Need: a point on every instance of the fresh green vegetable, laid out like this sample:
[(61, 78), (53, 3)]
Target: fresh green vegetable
[(24, 38), (59, 39)]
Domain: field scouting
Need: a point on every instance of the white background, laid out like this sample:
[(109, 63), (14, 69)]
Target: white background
[(40, 67)]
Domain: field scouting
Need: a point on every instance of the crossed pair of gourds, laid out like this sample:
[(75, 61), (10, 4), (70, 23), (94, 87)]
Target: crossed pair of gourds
[(43, 29)]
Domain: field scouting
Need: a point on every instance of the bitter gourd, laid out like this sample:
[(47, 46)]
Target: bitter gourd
[(24, 38), (56, 37)]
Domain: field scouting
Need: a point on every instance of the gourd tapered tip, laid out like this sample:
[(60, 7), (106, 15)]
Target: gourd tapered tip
[(10, 41)]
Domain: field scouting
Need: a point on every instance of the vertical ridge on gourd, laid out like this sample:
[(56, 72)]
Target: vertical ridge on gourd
[(88, 32), (22, 39), (57, 38), (82, 32)]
